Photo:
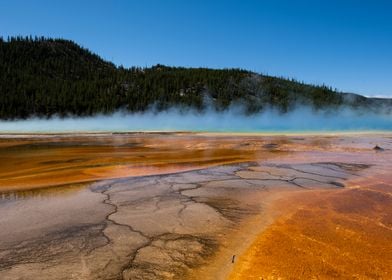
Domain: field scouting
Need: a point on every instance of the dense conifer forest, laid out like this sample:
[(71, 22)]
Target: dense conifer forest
[(45, 77)]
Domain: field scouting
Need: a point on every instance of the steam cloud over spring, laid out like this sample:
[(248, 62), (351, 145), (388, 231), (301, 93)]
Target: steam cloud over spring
[(233, 120)]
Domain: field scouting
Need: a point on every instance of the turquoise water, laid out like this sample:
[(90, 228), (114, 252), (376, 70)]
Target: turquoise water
[(228, 121)]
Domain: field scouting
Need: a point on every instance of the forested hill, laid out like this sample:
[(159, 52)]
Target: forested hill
[(45, 77)]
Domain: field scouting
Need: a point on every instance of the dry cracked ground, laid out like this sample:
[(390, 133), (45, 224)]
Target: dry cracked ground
[(186, 225)]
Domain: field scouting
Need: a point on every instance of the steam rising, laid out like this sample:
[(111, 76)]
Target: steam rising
[(232, 120)]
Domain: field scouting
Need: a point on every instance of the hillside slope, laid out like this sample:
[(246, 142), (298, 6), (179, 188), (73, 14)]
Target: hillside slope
[(45, 77)]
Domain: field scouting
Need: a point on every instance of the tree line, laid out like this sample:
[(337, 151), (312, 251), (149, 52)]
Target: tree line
[(45, 77)]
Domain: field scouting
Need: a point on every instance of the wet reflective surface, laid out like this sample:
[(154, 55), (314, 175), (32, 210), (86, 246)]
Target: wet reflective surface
[(72, 207), (42, 161), (330, 234)]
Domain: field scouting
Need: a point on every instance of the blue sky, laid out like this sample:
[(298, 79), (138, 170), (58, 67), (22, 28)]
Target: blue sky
[(344, 44)]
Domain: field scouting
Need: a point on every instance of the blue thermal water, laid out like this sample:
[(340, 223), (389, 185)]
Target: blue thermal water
[(304, 120)]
